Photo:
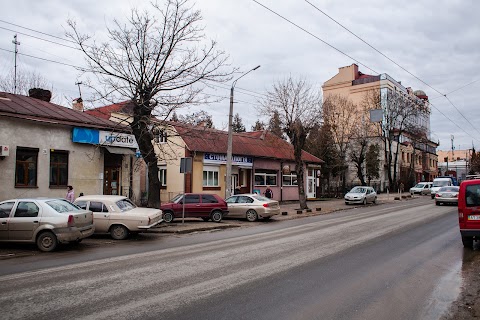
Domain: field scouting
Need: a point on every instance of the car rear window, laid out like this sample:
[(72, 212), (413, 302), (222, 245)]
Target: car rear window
[(208, 198), (449, 189), (441, 183), (472, 195), (125, 205), (62, 206)]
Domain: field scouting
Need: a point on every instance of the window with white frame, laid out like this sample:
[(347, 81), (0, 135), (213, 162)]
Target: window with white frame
[(162, 176), (265, 177), (210, 176), (289, 179)]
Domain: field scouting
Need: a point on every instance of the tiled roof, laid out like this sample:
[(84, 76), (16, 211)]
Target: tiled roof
[(261, 144), (23, 107), (105, 112)]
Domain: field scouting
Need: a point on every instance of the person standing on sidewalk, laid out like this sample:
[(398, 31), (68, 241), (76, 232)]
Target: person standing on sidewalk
[(70, 194), (268, 193)]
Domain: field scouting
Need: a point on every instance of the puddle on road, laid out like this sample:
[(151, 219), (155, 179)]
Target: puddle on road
[(447, 291)]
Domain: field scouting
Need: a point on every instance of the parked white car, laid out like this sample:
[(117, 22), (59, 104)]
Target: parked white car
[(44, 221), (421, 188), (362, 195), (118, 215)]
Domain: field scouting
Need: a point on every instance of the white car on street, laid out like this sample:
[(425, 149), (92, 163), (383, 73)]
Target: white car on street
[(118, 215), (361, 195)]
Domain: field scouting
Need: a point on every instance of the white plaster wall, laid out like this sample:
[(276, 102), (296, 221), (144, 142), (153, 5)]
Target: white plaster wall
[(85, 161)]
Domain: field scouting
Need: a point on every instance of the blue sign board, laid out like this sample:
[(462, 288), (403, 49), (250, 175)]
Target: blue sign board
[(84, 135)]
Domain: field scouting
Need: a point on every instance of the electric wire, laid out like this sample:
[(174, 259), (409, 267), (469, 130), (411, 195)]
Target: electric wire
[(391, 60)]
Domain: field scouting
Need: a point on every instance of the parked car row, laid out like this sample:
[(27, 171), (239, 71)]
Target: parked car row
[(49, 221)]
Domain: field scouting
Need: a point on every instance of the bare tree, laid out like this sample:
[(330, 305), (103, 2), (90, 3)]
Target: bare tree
[(298, 105), (372, 165), (340, 114), (200, 118), (160, 61), (25, 80), (401, 114)]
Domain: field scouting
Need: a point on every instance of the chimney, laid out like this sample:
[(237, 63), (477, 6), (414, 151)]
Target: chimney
[(41, 94), (78, 104)]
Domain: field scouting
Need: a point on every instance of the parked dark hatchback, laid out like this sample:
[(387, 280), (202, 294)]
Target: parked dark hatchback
[(197, 205)]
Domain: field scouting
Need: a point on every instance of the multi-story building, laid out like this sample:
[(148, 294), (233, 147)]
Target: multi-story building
[(416, 157)]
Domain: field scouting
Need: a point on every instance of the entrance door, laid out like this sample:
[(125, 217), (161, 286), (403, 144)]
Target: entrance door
[(111, 180), (311, 186), (234, 183)]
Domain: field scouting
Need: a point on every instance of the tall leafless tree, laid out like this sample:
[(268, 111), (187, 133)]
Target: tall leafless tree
[(159, 59), (340, 114), (25, 80), (298, 105)]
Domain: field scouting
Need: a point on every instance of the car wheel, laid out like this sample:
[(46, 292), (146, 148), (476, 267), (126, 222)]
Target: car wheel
[(346, 203), (467, 242), (252, 215), (216, 216), (47, 241), (364, 201), (168, 216), (118, 232), (266, 218), (205, 219)]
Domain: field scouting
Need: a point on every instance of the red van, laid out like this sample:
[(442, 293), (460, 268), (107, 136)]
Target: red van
[(469, 211)]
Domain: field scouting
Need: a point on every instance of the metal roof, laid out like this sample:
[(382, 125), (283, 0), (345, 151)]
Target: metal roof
[(28, 108), (260, 144)]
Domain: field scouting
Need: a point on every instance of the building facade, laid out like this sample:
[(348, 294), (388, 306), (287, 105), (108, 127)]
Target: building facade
[(50, 147), (416, 157)]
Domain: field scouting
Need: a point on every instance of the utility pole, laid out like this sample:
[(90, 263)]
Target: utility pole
[(16, 43), (79, 91)]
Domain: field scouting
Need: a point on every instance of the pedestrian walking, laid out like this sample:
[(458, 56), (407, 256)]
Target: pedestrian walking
[(70, 194)]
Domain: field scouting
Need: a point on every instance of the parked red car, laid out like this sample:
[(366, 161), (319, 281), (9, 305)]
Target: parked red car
[(197, 205), (469, 211)]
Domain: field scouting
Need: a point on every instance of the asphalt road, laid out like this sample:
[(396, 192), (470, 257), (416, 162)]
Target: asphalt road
[(400, 261)]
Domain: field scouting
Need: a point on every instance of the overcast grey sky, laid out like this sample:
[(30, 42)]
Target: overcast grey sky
[(436, 40)]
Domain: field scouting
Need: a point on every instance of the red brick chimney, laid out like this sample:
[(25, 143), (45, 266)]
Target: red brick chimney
[(78, 104)]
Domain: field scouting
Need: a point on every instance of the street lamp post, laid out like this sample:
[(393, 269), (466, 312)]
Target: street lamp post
[(228, 191)]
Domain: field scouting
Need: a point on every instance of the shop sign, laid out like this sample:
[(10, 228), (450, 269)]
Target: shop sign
[(117, 139), (216, 158)]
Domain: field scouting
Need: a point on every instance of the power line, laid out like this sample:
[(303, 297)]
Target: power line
[(459, 88), (53, 61), (387, 57), (38, 38), (313, 35), (44, 33)]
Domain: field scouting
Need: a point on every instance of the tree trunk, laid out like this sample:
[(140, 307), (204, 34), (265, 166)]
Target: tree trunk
[(300, 177), (144, 140)]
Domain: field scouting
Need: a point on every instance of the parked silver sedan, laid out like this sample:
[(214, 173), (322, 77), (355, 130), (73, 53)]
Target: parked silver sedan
[(361, 195), (44, 221), (252, 207), (446, 195), (118, 215)]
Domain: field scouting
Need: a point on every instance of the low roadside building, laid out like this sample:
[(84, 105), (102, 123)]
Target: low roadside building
[(46, 147)]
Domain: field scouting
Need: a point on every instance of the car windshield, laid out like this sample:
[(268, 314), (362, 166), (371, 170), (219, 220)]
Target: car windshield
[(358, 190), (261, 198), (441, 183), (420, 185), (62, 206), (125, 205), (177, 198), (448, 189)]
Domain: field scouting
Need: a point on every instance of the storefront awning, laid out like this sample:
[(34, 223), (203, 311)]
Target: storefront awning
[(118, 150)]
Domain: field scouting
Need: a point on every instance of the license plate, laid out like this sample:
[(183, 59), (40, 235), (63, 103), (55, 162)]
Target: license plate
[(476, 217)]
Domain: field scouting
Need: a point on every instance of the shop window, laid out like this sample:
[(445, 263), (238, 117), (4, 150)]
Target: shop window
[(26, 167), (160, 136), (58, 168), (289, 179), (162, 176), (210, 176), (265, 178)]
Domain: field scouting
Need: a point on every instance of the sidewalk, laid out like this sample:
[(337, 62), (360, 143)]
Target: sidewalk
[(288, 211)]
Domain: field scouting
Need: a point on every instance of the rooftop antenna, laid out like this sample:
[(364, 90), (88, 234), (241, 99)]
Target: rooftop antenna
[(79, 91), (16, 43)]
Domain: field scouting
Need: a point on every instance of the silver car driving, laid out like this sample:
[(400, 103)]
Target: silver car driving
[(44, 221)]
